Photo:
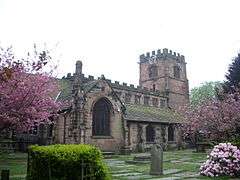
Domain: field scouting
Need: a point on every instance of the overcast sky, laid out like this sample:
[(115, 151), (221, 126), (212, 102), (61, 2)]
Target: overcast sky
[(108, 36)]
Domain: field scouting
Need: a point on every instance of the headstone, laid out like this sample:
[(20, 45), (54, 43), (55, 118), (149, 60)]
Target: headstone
[(5, 174), (156, 160)]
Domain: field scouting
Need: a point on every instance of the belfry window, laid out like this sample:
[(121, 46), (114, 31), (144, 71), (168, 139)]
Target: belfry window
[(176, 72), (101, 118), (150, 133), (152, 70)]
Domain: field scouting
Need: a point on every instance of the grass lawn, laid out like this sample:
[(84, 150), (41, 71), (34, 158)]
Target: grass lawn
[(177, 165)]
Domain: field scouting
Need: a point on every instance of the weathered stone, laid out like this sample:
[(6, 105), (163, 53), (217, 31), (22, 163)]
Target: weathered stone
[(76, 123), (156, 160)]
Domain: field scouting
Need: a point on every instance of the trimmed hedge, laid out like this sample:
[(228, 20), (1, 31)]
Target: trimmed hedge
[(66, 162)]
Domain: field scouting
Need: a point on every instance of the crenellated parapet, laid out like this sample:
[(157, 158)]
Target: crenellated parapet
[(161, 55), (117, 85)]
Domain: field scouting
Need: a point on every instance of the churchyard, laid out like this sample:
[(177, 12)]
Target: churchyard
[(183, 164)]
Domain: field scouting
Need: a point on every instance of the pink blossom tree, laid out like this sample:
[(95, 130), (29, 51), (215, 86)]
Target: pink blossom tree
[(26, 91), (217, 119)]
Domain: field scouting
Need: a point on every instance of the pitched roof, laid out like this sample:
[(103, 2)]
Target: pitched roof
[(151, 114), (65, 90)]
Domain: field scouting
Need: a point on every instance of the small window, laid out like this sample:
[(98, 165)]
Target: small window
[(154, 87), (153, 71), (146, 100), (155, 102), (127, 98), (137, 99), (170, 133), (176, 70), (162, 103)]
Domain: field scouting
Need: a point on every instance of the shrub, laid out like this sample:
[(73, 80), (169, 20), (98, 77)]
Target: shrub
[(224, 160), (236, 142), (66, 162)]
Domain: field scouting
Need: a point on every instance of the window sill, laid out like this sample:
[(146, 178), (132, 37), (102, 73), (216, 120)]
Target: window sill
[(102, 137)]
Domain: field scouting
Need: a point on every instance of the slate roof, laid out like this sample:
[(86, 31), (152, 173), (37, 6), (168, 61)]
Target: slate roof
[(151, 114), (65, 89)]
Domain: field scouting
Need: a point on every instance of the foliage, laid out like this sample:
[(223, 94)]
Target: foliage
[(224, 160), (204, 92), (217, 119), (236, 142), (233, 76), (65, 162), (26, 91)]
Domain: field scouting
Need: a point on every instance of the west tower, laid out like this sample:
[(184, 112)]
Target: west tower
[(165, 71)]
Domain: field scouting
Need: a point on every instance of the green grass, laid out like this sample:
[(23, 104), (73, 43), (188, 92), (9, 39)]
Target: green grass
[(16, 163), (186, 161)]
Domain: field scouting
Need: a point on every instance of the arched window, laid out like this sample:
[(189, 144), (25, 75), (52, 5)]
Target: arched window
[(150, 133), (170, 133), (152, 71), (176, 72), (101, 118)]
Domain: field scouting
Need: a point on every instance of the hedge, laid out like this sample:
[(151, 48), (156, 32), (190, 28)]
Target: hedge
[(66, 162)]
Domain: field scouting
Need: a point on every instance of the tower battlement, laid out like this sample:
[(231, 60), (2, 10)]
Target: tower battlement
[(160, 55)]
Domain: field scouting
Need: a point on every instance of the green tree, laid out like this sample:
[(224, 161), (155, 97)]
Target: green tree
[(233, 76), (206, 91)]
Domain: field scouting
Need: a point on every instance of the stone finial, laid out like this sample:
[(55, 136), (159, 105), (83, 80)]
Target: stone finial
[(78, 70)]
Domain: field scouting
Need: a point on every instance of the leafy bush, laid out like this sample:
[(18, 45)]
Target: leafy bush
[(236, 142), (66, 162), (224, 160)]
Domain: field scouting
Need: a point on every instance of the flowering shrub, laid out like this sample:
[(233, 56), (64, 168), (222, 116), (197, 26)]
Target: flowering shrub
[(224, 160)]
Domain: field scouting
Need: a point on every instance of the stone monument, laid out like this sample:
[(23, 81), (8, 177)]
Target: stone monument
[(156, 160)]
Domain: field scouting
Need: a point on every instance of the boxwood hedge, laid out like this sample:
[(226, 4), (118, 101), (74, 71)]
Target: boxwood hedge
[(66, 162)]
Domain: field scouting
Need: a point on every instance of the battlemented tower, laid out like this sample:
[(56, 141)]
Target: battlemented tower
[(165, 71)]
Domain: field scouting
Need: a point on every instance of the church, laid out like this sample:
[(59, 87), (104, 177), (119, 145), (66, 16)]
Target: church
[(125, 118)]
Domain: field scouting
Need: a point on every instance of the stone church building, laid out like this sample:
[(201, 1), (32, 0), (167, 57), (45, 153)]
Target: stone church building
[(120, 117)]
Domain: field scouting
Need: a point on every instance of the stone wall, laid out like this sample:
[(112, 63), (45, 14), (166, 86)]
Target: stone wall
[(175, 87), (161, 136)]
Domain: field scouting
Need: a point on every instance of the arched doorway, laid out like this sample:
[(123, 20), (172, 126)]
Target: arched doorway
[(101, 118), (150, 133)]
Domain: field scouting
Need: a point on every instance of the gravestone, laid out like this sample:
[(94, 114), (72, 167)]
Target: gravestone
[(156, 160)]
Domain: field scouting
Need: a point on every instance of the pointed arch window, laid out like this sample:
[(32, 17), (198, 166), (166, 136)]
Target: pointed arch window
[(101, 118)]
